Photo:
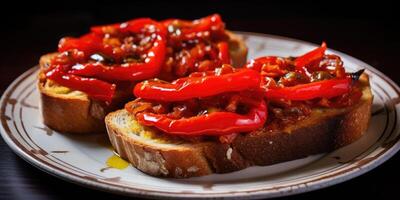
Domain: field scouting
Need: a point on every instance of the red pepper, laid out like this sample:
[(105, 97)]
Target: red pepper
[(271, 66), (129, 71), (93, 42), (97, 89), (321, 89), (132, 26), (314, 55), (212, 22), (217, 123), (258, 63), (198, 86), (89, 43), (204, 24), (223, 54)]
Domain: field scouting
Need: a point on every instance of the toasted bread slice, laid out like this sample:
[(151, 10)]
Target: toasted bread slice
[(72, 111), (160, 154), (67, 110)]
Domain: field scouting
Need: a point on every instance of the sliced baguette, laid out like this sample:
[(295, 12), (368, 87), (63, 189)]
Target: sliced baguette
[(158, 154), (72, 111)]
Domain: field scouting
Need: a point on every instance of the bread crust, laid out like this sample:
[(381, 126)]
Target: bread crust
[(73, 115), (323, 131), (157, 160), (80, 114)]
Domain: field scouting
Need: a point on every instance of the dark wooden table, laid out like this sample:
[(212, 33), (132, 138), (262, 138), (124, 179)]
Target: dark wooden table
[(364, 34)]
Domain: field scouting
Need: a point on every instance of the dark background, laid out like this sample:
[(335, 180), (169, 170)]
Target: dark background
[(364, 30)]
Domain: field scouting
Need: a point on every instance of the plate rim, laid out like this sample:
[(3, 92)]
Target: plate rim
[(258, 193)]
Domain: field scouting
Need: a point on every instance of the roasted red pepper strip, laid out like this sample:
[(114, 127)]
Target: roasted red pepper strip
[(97, 89), (311, 56), (131, 26), (271, 66), (204, 24), (89, 43), (93, 42), (208, 23), (258, 63), (223, 54), (129, 71), (217, 123), (199, 86), (321, 89)]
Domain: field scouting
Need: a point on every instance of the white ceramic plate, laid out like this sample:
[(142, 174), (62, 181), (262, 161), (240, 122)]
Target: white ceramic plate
[(82, 159)]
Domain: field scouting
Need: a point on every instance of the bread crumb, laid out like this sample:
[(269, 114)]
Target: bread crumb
[(178, 171), (229, 153), (193, 169), (147, 156)]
